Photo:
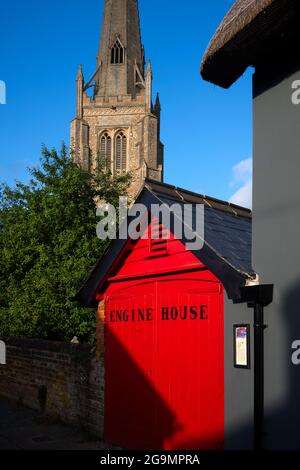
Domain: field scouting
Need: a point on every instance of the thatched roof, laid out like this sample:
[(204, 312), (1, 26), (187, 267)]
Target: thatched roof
[(249, 32)]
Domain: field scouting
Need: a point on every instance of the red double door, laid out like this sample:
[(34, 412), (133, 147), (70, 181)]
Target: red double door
[(164, 364)]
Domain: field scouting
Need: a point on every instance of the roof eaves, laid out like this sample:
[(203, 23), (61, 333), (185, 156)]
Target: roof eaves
[(251, 31)]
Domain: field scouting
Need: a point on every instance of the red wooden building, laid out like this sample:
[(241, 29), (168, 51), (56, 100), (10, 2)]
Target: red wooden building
[(165, 340)]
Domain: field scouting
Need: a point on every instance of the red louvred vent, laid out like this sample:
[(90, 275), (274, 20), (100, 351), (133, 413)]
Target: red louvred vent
[(158, 237)]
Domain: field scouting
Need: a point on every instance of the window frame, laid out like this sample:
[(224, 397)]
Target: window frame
[(120, 134), (117, 53), (108, 157)]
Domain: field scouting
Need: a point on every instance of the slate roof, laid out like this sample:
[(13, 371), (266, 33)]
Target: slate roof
[(228, 227), (251, 31), (227, 240)]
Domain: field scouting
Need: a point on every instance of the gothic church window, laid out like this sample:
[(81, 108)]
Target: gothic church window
[(105, 149), (121, 152), (117, 53)]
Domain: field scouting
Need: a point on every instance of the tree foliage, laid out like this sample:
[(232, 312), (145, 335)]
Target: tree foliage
[(48, 245)]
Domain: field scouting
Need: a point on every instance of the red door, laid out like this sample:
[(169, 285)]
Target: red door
[(164, 385)]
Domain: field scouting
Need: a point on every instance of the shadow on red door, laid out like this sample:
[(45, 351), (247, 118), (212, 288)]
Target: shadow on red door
[(164, 366), (136, 416)]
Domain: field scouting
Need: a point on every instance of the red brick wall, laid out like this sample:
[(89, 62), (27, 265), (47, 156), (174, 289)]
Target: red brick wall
[(62, 380)]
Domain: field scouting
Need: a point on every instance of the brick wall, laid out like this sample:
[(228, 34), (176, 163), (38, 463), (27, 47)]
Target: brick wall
[(64, 381)]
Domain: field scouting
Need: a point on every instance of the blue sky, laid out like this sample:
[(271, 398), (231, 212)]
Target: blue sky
[(207, 131)]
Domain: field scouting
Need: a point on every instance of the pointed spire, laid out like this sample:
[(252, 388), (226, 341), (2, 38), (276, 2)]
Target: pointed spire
[(149, 68), (157, 105), (79, 93), (80, 73), (120, 48), (149, 87)]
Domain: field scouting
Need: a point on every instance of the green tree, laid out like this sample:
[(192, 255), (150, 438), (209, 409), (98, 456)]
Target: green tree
[(48, 245)]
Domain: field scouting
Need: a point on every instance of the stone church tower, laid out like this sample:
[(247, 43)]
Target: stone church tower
[(119, 123)]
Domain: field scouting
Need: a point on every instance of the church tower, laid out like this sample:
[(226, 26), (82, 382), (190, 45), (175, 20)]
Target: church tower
[(119, 123)]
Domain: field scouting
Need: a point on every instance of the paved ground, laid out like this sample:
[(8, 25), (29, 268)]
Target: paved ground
[(21, 428)]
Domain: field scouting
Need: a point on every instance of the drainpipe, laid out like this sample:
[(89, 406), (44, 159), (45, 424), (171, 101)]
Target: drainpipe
[(258, 297)]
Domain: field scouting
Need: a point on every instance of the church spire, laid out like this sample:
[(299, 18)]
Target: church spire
[(120, 60), (118, 122), (79, 92), (157, 105), (148, 83)]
